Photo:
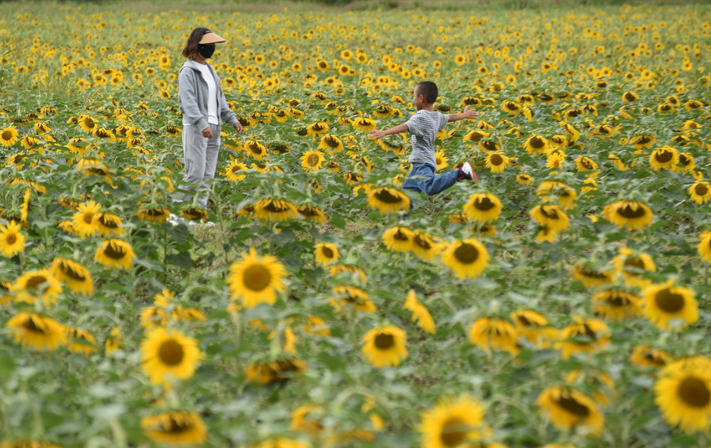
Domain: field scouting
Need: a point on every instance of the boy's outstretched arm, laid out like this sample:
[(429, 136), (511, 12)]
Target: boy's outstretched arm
[(468, 113), (396, 130)]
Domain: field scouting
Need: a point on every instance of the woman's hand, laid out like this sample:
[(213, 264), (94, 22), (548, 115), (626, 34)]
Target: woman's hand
[(207, 132), (238, 127)]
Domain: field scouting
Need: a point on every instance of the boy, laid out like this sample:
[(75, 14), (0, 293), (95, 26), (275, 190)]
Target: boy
[(424, 126)]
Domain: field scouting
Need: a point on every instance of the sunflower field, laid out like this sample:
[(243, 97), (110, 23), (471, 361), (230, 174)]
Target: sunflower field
[(562, 300)]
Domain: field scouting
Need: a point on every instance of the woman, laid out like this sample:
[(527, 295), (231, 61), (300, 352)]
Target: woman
[(204, 108)]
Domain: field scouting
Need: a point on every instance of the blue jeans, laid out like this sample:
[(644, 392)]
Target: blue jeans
[(429, 183)]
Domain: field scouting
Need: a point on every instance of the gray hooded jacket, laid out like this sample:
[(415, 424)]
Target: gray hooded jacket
[(192, 96)]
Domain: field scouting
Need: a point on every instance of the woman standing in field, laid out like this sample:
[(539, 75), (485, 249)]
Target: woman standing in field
[(204, 108)]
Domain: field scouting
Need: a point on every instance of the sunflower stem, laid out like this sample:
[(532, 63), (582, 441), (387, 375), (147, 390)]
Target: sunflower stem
[(119, 433)]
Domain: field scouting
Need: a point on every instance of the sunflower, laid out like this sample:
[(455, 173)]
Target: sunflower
[(108, 224), (37, 285), (175, 428), (83, 220), (482, 207), (589, 276), (155, 215), (9, 136), (152, 316), (27, 444), (255, 279), (74, 275), (643, 141), (385, 346), (704, 247), (256, 149), (550, 216), (488, 146), (683, 394), (700, 192), (331, 143), (452, 424), (277, 371), (115, 253), (569, 409), (364, 124), (80, 341), (616, 304), (583, 336), (36, 331), (353, 296), (632, 265), (441, 160), (476, 136), (168, 354), (311, 213), (282, 442), (424, 246), (664, 158), (275, 210), (12, 241), (647, 356), (467, 258), (670, 307), (398, 239), (534, 328), (492, 333), (388, 199), (566, 195), (600, 381), (629, 96), (326, 253), (304, 419), (312, 161), (419, 313), (88, 124), (511, 107), (633, 215), (350, 269), (524, 179), (232, 169), (497, 162)]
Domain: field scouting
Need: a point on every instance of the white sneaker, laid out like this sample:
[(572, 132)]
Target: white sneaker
[(467, 172)]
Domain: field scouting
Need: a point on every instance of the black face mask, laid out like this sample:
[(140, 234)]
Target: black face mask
[(206, 50)]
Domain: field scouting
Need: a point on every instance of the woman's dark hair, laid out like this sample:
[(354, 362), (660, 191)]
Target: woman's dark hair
[(191, 47)]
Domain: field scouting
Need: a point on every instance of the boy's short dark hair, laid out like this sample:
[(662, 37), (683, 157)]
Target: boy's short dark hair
[(429, 90)]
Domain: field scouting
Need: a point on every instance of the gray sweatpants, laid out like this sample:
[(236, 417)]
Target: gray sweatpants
[(200, 159)]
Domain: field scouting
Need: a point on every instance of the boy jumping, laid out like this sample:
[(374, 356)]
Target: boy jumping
[(424, 126)]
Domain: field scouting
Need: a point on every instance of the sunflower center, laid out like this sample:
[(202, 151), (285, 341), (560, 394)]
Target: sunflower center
[(685, 160), (276, 207), (496, 159), (466, 253), (257, 277), (668, 301), (631, 211), (401, 236), (549, 212), (328, 253), (701, 189), (617, 299), (156, 212), (30, 325), (313, 160), (114, 251), (331, 142), (453, 431), (10, 239), (634, 263), (663, 156), (6, 135), (70, 272), (88, 217), (694, 392), (573, 406), (536, 142), (384, 341), (484, 203), (171, 352), (387, 197), (108, 221), (35, 281)]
